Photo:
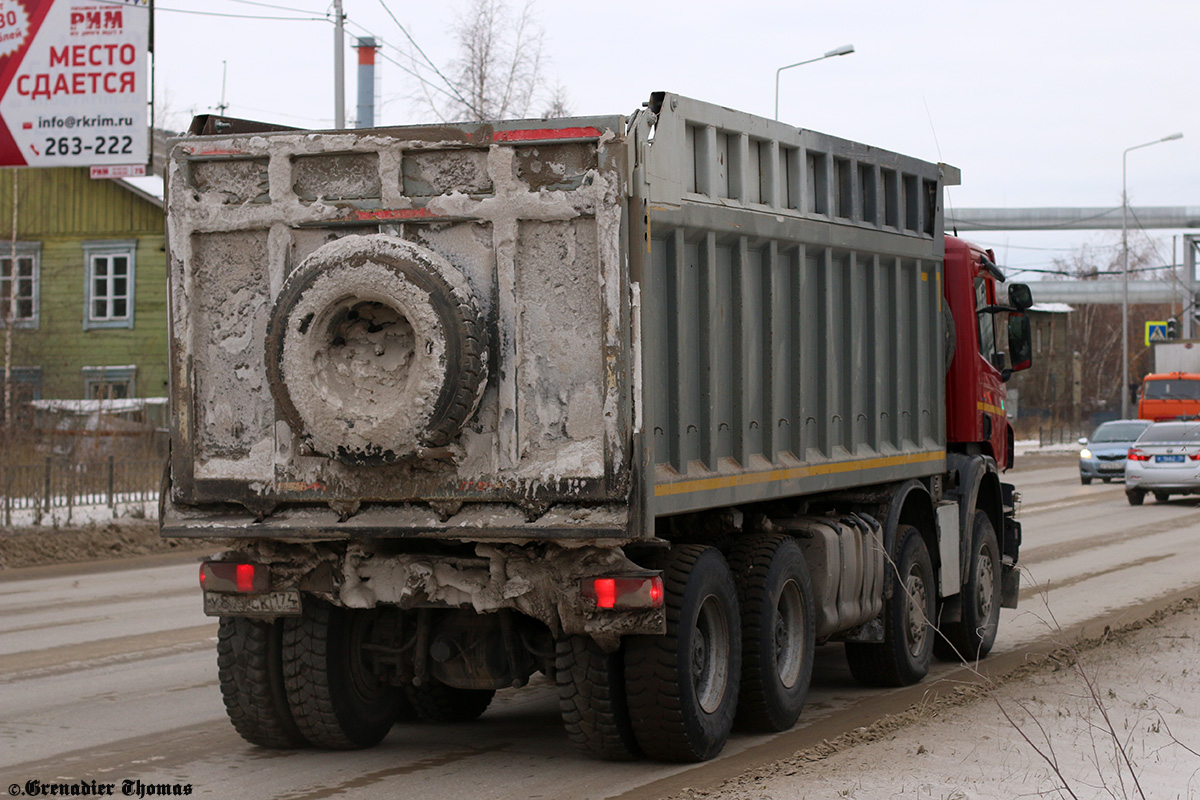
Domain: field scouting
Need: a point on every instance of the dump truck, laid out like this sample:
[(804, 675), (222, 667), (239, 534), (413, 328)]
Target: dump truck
[(651, 405)]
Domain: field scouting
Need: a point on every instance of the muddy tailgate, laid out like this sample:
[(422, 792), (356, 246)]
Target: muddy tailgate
[(407, 331)]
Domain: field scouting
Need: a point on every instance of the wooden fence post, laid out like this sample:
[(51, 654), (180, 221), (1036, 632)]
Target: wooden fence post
[(47, 495)]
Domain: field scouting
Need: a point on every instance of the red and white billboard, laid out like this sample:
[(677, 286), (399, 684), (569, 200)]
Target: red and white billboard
[(73, 82)]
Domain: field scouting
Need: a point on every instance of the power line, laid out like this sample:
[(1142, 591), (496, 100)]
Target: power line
[(271, 5), (399, 65), (429, 61), (240, 16), (1046, 249)]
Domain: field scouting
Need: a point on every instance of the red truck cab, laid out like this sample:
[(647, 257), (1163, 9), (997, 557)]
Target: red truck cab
[(978, 367)]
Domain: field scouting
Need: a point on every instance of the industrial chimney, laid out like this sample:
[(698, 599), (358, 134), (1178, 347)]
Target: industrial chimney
[(366, 81)]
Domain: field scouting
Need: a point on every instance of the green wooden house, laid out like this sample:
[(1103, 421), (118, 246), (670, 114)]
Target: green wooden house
[(90, 281)]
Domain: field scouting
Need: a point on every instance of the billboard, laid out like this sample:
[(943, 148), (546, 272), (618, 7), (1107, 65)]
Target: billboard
[(73, 82)]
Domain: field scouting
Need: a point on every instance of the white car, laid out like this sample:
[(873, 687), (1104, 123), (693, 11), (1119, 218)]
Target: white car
[(1165, 460)]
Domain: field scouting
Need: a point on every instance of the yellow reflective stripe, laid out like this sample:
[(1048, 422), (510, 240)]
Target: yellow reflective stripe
[(988, 407), (772, 475)]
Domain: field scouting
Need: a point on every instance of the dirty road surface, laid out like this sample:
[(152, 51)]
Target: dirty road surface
[(108, 673)]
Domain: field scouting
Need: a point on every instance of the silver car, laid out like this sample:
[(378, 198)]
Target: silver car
[(1164, 460), (1103, 456)]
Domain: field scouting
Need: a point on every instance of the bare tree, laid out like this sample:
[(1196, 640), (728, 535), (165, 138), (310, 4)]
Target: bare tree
[(1094, 331), (498, 71), (559, 104)]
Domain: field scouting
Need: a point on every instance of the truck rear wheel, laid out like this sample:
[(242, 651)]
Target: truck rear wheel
[(904, 655), (778, 631), (591, 697), (682, 686), (335, 698), (972, 637), (437, 702), (250, 671)]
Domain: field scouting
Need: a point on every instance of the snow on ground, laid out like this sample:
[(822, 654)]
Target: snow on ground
[(1027, 447), (1123, 723), (93, 514)]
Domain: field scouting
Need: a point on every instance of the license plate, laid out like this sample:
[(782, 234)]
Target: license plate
[(1114, 466), (268, 604), (1168, 459)]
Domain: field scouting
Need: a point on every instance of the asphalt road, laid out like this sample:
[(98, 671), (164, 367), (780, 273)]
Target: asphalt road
[(108, 674)]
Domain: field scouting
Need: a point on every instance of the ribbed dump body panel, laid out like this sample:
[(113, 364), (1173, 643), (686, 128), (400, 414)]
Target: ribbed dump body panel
[(791, 310)]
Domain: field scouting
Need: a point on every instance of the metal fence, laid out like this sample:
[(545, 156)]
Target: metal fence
[(1059, 434), (57, 483)]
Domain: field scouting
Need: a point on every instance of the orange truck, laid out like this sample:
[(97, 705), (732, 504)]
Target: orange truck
[(1173, 389), (1169, 395)]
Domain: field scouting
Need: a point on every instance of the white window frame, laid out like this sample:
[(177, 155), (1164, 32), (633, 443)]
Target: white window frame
[(25, 250), (106, 250), (99, 376)]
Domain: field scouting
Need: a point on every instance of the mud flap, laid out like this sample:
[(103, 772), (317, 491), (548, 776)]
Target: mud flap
[(1010, 586)]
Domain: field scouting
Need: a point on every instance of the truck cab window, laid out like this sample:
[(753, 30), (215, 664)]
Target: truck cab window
[(987, 322)]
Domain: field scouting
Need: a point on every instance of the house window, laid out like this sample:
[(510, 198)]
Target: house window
[(109, 383), (26, 387), (109, 290), (27, 284)]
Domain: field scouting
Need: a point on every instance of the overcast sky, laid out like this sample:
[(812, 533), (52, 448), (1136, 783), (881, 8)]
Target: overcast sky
[(1033, 101)]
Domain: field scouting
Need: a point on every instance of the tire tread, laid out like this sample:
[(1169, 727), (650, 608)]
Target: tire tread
[(591, 697), (251, 681)]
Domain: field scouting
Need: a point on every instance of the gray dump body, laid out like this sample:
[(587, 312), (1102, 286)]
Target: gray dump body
[(692, 309)]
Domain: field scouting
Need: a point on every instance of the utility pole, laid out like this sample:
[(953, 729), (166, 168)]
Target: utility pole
[(223, 106), (14, 282), (339, 66)]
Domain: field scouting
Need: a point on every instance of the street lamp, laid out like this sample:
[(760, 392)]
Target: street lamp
[(1125, 274), (844, 50)]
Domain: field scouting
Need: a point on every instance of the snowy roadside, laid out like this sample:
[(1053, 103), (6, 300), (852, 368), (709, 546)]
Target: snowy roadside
[(1030, 447), (1120, 721)]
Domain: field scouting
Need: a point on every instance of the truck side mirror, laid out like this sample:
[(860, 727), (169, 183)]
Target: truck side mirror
[(1019, 296), (1020, 341)]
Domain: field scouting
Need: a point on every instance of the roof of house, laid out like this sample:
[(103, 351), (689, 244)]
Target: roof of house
[(1052, 308), (148, 187)]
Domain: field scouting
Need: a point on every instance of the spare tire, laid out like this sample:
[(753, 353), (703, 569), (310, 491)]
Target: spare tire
[(375, 350)]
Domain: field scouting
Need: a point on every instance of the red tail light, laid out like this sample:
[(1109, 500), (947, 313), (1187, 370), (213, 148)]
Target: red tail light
[(229, 576), (245, 577), (1137, 455), (619, 594), (606, 592)]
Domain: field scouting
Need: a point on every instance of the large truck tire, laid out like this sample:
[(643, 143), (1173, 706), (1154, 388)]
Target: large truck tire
[(376, 350), (906, 652), (779, 631), (437, 702), (971, 638), (336, 700), (591, 697), (682, 686), (250, 672)]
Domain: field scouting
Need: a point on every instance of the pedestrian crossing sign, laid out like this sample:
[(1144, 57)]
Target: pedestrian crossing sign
[(1156, 332)]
